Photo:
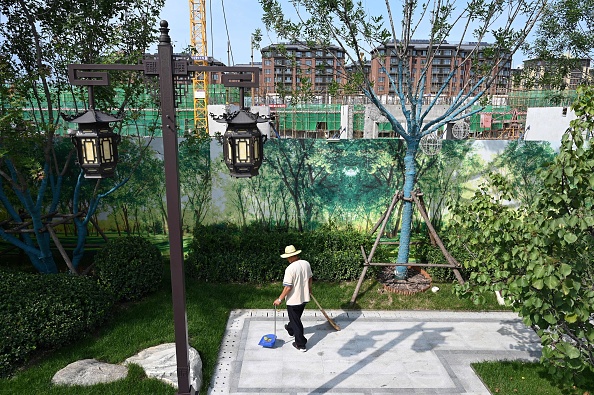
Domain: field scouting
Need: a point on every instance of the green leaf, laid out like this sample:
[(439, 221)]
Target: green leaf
[(551, 282), (570, 237), (538, 284), (550, 318), (571, 318), (565, 269)]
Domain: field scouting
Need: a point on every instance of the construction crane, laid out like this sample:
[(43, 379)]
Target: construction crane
[(200, 57)]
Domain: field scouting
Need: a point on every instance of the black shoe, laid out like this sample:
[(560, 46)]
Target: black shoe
[(288, 331), (299, 348)]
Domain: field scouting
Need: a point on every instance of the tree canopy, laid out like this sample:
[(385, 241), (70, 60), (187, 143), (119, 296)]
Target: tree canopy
[(38, 41), (504, 25)]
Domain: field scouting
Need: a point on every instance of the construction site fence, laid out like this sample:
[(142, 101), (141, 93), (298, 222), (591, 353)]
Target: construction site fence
[(503, 110)]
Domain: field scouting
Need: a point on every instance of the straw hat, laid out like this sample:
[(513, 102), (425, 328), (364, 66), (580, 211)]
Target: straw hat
[(290, 251)]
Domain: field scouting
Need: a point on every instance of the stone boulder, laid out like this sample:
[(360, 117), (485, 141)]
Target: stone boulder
[(158, 362), (89, 372)]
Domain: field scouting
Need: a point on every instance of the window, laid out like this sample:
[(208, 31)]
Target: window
[(308, 54), (308, 62), (339, 54), (267, 79), (381, 79), (278, 62), (267, 71), (319, 62), (319, 53), (267, 62), (319, 80)]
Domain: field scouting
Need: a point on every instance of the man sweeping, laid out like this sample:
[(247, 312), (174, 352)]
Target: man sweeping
[(296, 290)]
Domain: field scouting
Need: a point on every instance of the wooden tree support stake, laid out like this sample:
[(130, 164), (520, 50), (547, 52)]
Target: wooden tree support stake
[(417, 198)]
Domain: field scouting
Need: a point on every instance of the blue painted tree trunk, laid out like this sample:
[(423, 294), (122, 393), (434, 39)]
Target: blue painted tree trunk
[(410, 172)]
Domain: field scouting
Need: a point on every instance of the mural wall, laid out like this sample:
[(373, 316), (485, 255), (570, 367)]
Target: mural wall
[(307, 182)]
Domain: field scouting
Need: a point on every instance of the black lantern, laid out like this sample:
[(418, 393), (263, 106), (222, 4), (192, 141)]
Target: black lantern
[(242, 142), (96, 143)]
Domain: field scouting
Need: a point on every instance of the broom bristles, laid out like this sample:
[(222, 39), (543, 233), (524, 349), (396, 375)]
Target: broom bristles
[(330, 320)]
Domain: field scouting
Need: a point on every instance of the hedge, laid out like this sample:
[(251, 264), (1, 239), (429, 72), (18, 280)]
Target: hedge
[(228, 253), (129, 268), (46, 312)]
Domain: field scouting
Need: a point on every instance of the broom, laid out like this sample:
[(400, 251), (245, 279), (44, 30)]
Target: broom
[(330, 320)]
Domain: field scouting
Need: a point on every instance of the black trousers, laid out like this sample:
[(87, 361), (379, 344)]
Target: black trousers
[(295, 325)]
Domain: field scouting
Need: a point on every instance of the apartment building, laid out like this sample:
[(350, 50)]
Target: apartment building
[(540, 74), (288, 68), (442, 60)]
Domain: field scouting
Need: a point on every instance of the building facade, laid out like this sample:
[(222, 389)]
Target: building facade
[(300, 72), (442, 60), (541, 75)]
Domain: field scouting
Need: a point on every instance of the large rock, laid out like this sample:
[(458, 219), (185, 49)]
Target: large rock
[(89, 372), (160, 362)]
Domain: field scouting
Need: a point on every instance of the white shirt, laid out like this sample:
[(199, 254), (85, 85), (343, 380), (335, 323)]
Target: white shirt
[(297, 276)]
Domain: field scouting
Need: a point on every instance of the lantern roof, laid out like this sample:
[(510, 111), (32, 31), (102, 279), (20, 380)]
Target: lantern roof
[(91, 116), (241, 117)]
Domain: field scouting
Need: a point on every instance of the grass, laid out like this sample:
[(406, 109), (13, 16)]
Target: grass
[(520, 378)]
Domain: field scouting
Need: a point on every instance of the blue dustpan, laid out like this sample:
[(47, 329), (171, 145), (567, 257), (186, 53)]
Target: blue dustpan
[(268, 340)]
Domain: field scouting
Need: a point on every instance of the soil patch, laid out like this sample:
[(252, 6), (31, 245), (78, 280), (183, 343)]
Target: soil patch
[(417, 280)]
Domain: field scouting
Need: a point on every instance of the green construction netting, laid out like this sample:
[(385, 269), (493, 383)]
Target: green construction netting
[(146, 121)]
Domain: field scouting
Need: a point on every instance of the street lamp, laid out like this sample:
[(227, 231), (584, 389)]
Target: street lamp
[(242, 142), (167, 68), (96, 143)]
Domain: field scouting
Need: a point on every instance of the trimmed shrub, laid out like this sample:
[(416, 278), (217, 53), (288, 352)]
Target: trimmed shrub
[(46, 312), (225, 252), (129, 268)]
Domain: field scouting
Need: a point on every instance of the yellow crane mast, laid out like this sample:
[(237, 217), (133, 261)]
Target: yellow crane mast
[(200, 57)]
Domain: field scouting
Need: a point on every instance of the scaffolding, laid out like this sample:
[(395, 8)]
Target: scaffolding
[(316, 121)]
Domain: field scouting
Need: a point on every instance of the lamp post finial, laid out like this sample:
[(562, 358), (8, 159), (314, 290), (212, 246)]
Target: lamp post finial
[(164, 39)]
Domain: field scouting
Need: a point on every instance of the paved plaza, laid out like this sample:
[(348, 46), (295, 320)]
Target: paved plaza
[(376, 352)]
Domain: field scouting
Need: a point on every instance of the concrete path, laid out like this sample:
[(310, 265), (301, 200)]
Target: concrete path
[(376, 352)]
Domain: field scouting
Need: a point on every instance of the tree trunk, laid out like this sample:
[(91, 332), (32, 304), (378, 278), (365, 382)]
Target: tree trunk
[(407, 211)]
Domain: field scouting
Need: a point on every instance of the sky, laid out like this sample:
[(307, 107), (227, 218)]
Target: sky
[(230, 24), (242, 18)]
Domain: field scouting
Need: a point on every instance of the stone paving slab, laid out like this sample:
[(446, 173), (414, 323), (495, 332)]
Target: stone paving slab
[(376, 352)]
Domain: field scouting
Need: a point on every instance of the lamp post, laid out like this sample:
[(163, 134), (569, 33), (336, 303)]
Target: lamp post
[(167, 68)]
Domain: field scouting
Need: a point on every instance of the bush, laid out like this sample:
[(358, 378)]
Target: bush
[(129, 268), (224, 252), (45, 312), (432, 254)]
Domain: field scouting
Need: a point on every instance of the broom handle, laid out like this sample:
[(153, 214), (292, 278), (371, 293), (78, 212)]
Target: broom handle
[(274, 320)]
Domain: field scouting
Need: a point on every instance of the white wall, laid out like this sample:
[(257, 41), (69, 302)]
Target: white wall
[(219, 109), (547, 123)]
